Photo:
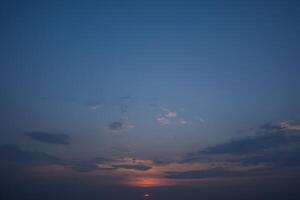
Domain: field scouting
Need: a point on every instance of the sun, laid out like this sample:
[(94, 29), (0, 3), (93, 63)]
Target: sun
[(146, 195)]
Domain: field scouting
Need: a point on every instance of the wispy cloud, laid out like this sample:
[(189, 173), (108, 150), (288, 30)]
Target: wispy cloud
[(182, 121), (121, 125), (162, 120), (270, 127), (45, 137), (214, 172), (290, 126), (169, 114), (268, 136), (95, 106), (244, 147), (167, 117), (115, 126), (112, 164), (13, 153), (278, 157), (285, 125), (132, 166), (124, 103), (252, 144), (89, 165), (272, 149)]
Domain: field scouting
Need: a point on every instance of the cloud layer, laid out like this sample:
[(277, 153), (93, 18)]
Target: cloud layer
[(15, 154), (46, 137), (120, 125)]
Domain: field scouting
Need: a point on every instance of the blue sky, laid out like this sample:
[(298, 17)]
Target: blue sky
[(148, 80)]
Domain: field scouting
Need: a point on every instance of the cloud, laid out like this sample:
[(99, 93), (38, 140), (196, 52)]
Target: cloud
[(84, 167), (121, 102), (274, 150), (13, 153), (124, 102), (111, 164), (116, 126), (285, 125), (170, 114), (90, 165), (283, 157), (163, 120), (252, 144), (290, 126), (134, 167), (120, 126), (167, 117), (200, 119), (211, 173), (268, 138), (131, 164), (182, 121), (46, 137), (270, 127), (94, 105)]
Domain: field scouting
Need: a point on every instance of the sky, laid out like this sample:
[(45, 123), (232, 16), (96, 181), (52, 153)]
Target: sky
[(147, 99)]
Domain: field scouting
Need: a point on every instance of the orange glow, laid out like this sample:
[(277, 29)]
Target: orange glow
[(158, 182), (146, 182), (149, 182)]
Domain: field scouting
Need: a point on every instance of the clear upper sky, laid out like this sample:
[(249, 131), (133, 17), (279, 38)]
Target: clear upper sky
[(146, 80)]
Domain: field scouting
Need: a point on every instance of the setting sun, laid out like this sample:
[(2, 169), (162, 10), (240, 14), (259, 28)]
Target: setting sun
[(146, 195)]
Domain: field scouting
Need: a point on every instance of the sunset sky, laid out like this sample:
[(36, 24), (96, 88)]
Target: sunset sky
[(122, 99)]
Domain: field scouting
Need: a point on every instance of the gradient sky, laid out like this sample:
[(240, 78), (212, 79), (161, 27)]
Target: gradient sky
[(163, 95)]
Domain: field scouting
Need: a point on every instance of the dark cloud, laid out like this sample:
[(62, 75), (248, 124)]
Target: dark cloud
[(283, 157), (13, 153), (268, 137), (115, 126), (252, 144), (284, 125), (120, 125), (278, 147), (134, 167), (90, 165), (163, 161), (106, 164), (270, 127), (84, 167), (48, 137), (210, 173)]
